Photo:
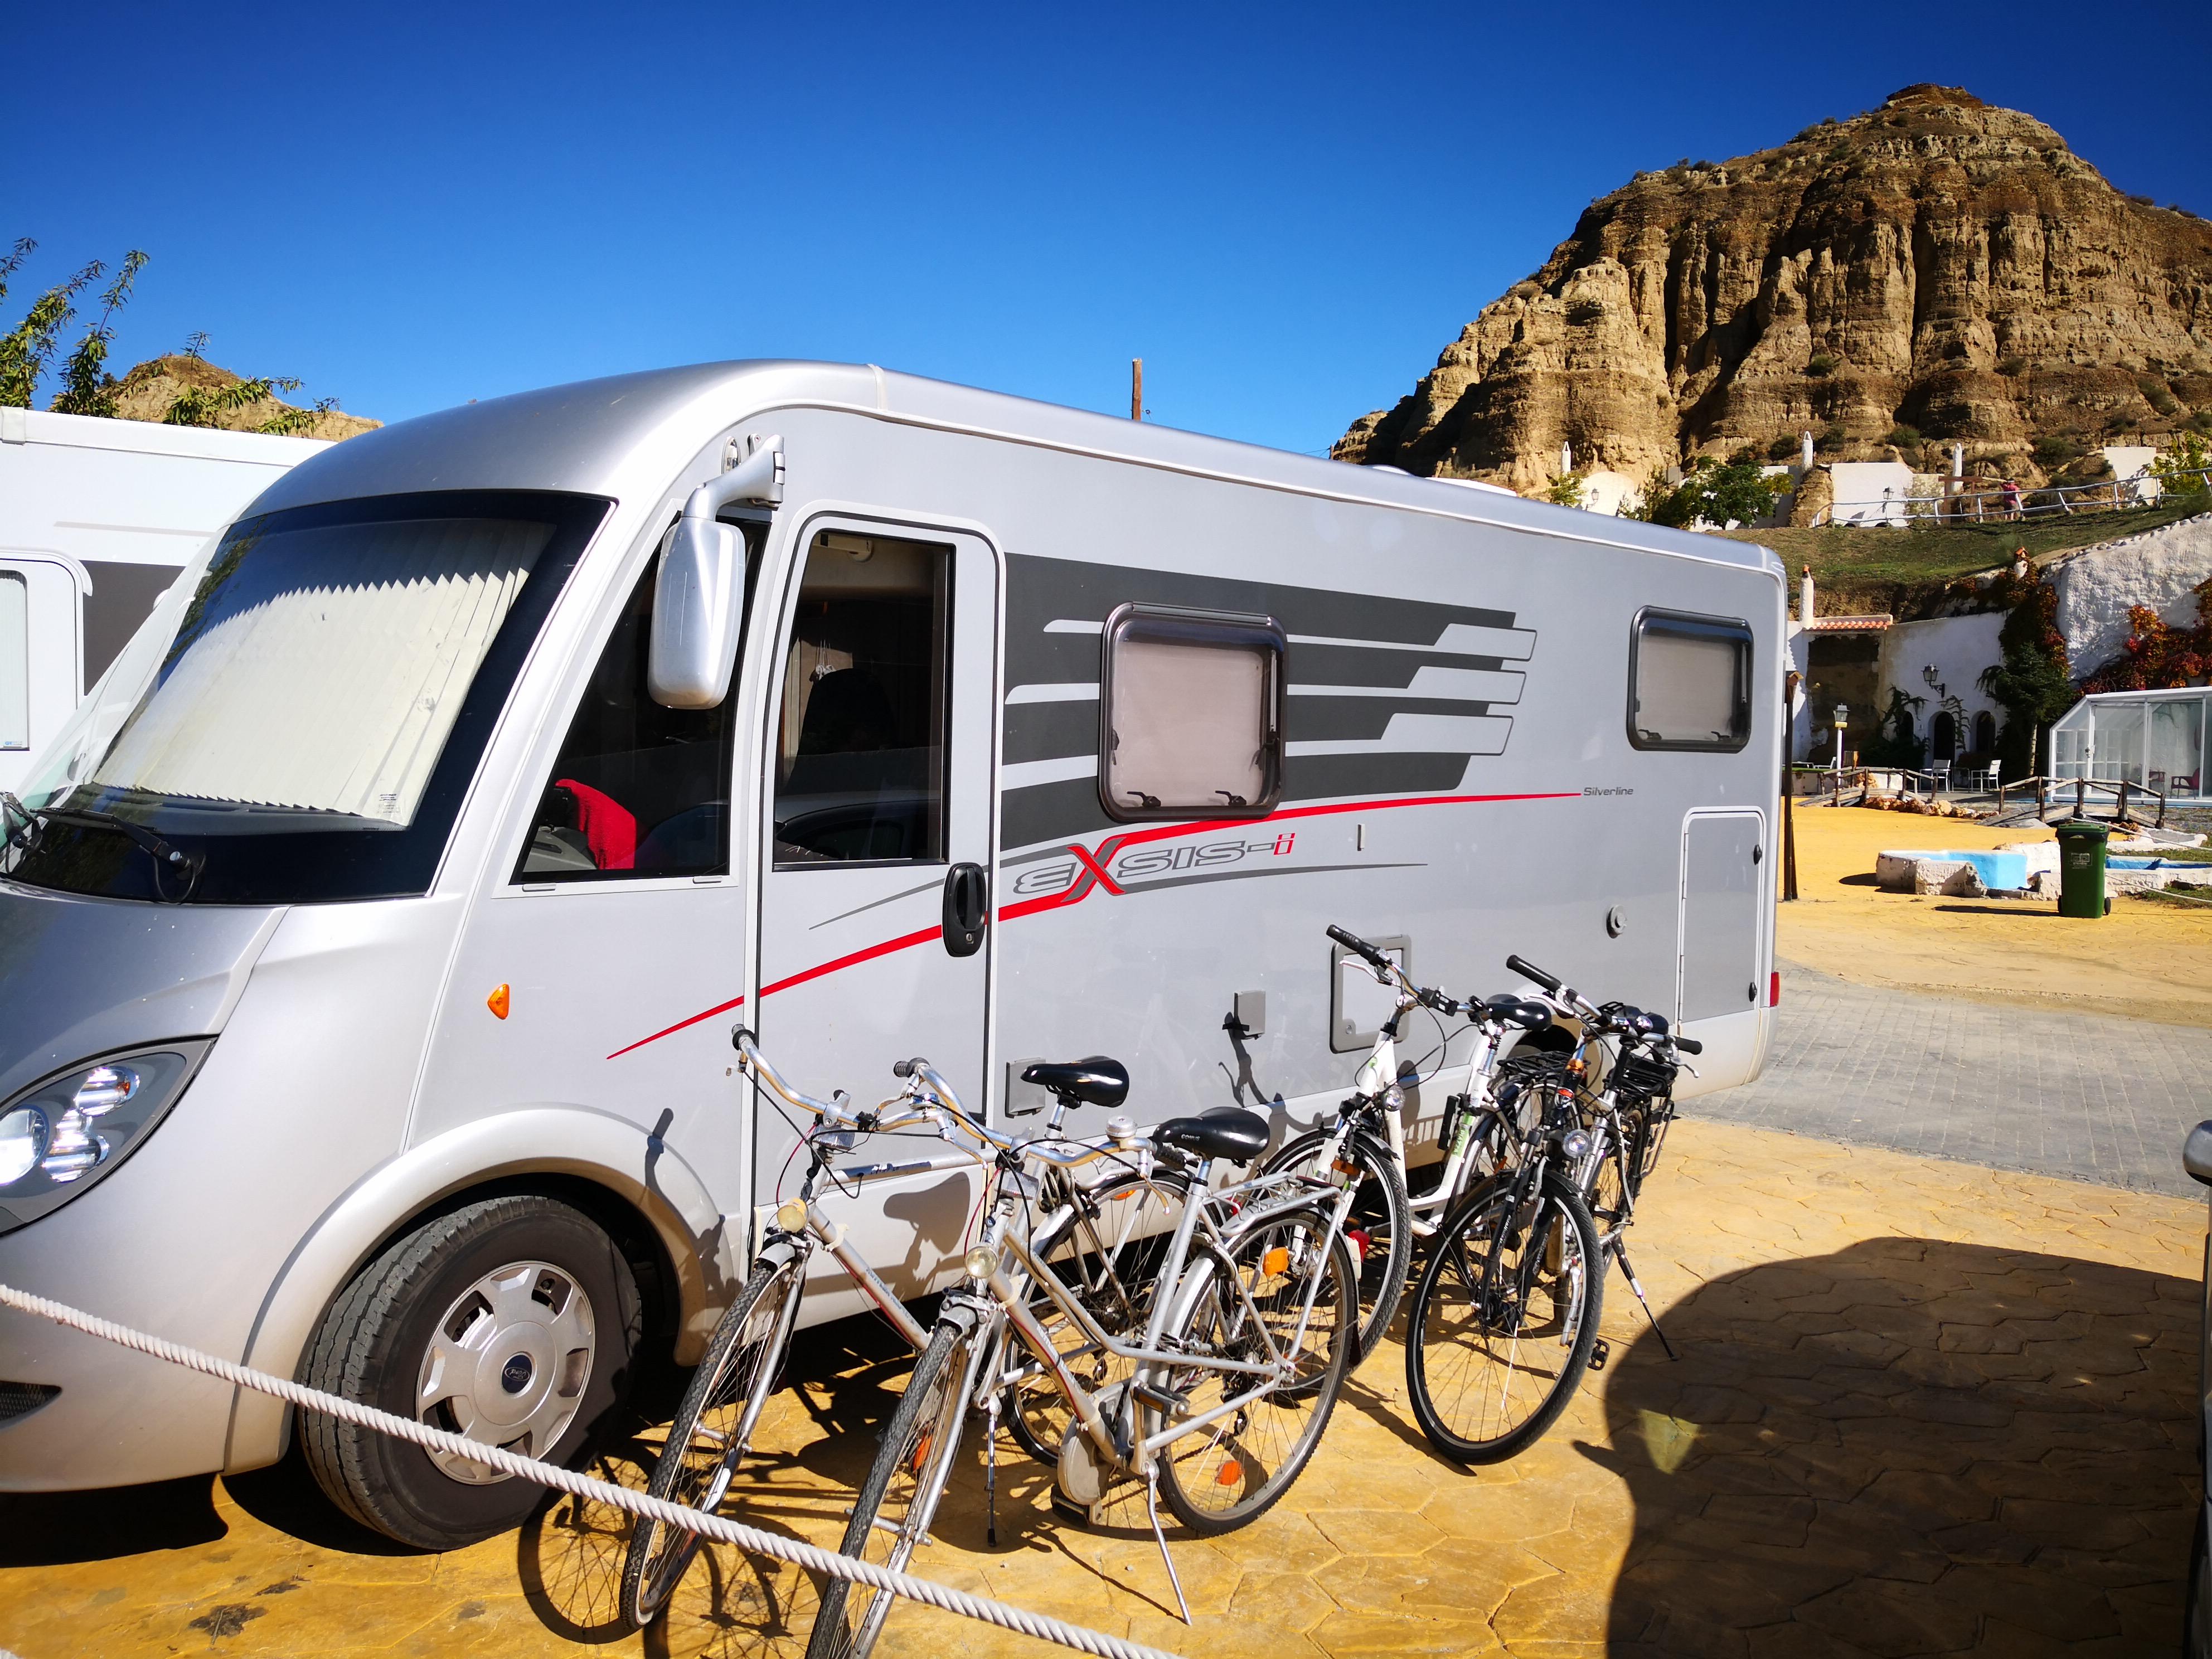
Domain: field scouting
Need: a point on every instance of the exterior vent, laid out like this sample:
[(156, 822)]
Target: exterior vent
[(22, 1399)]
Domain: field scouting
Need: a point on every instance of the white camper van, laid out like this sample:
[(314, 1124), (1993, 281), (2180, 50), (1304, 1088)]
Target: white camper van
[(96, 519), (367, 976)]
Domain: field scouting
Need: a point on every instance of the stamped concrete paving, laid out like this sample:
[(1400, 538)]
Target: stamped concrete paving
[(2090, 1096), (1923, 1409)]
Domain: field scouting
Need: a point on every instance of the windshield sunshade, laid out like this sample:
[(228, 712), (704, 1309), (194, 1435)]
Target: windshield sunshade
[(321, 670), (300, 717)]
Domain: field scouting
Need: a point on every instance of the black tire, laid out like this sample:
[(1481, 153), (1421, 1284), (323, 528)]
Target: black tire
[(1493, 1318), (1381, 1215), (1208, 1477), (900, 1491), (1110, 1258), (376, 1346), (711, 1431)]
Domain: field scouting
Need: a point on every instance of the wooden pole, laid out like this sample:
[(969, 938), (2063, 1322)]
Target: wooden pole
[(1136, 388)]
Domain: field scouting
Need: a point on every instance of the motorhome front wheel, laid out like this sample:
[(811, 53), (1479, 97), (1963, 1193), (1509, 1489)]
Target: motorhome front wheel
[(510, 1321)]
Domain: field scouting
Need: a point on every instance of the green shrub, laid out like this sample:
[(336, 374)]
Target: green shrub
[(2051, 453), (1902, 436), (1784, 447), (2011, 368), (1821, 365)]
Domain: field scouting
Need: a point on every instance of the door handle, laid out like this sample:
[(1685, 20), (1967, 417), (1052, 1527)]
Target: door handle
[(966, 908)]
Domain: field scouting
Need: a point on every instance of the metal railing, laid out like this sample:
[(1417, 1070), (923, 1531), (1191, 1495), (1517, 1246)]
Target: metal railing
[(2045, 787), (1993, 504)]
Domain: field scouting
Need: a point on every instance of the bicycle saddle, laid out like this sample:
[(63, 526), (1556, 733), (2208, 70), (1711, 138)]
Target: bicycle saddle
[(1098, 1081), (1229, 1132)]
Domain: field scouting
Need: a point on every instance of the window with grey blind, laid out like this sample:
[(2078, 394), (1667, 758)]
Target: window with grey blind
[(14, 661), (1689, 680), (1191, 713)]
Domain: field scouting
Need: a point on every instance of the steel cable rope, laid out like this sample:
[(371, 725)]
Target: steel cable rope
[(807, 1556)]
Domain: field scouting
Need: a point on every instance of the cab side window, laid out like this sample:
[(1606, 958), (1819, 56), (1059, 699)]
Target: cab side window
[(861, 762), (639, 791)]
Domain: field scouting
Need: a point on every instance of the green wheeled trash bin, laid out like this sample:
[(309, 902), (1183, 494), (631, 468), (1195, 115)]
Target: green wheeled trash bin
[(2081, 868)]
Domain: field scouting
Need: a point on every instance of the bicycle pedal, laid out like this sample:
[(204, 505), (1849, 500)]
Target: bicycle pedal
[(1600, 1351)]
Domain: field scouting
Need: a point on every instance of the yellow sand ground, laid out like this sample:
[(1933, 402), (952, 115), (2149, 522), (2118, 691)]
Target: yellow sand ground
[(2148, 959)]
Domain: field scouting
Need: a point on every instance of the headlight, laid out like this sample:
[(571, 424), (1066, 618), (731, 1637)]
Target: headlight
[(60, 1136)]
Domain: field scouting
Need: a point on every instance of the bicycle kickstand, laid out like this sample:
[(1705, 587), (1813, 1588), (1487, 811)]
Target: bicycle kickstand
[(1621, 1255), (991, 1475), (1152, 1510)]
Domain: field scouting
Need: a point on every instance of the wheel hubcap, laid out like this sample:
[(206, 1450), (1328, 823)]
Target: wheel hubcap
[(508, 1364)]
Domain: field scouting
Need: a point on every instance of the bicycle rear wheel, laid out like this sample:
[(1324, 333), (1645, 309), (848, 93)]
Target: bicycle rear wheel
[(1382, 1219), (1502, 1320), (1110, 1258), (712, 1430), (1232, 1471), (893, 1509)]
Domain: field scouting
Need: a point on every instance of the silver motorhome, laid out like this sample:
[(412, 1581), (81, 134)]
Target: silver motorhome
[(365, 998)]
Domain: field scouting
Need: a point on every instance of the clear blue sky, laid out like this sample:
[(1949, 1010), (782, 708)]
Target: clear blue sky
[(1286, 210)]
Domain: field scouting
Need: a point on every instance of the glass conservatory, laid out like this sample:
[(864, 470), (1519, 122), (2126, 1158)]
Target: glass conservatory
[(2145, 739)]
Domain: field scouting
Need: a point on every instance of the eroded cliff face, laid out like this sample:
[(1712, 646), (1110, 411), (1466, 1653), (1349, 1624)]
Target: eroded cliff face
[(1936, 263)]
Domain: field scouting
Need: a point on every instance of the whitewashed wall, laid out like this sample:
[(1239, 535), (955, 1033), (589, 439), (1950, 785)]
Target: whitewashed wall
[(2160, 569), (1958, 648)]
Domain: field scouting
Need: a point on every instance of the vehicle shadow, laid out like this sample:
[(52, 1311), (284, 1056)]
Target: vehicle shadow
[(61, 1528), (1909, 1446)]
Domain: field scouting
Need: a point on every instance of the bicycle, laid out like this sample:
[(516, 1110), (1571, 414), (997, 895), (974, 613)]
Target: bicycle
[(1504, 1319), (1625, 1116), (1364, 1149), (1245, 1345), (1101, 1234)]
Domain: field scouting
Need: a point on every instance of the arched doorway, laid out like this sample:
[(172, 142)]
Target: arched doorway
[(1986, 733), (1943, 738)]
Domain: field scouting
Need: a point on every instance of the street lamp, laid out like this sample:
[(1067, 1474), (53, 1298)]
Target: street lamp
[(1842, 718)]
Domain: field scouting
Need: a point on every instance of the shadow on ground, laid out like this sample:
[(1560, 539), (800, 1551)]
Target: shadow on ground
[(1910, 1447)]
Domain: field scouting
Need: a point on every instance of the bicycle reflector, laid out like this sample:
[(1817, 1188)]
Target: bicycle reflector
[(1276, 1262)]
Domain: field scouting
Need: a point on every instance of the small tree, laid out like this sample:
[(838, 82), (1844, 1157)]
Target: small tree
[(87, 389), (1895, 742), (2032, 682), (25, 349), (2181, 472), (203, 406), (1713, 492), (1566, 489)]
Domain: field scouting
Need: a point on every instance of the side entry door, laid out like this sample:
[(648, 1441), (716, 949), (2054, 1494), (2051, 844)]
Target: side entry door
[(1724, 862), (875, 906)]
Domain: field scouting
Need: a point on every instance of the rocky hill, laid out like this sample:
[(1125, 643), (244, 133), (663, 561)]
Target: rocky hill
[(148, 391), (1934, 270)]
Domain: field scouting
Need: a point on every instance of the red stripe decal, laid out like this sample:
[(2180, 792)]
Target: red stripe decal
[(1091, 866)]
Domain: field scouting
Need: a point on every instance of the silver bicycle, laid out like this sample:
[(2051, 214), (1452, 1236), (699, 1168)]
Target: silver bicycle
[(1102, 1234), (1215, 1403)]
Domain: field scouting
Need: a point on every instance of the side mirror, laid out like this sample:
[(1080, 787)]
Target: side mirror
[(2197, 1153), (696, 601)]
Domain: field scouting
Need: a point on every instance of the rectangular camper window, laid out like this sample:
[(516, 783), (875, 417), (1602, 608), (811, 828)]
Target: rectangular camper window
[(860, 753), (1689, 682), (638, 791), (14, 661), (1191, 714)]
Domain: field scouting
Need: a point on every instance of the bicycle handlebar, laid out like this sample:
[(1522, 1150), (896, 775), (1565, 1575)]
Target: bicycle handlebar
[(1531, 972), (1360, 946), (1689, 1045)]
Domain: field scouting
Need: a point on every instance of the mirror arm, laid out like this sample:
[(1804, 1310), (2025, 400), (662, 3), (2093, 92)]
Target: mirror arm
[(757, 478)]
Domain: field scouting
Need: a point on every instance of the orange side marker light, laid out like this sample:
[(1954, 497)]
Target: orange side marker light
[(497, 1002)]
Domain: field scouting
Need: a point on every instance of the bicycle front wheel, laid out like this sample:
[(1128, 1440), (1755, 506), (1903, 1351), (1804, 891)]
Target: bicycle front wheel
[(711, 1432), (1380, 1224), (1231, 1471), (1502, 1320), (897, 1499), (1110, 1256)]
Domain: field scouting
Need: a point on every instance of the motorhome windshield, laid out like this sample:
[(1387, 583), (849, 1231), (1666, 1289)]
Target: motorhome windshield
[(301, 716)]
